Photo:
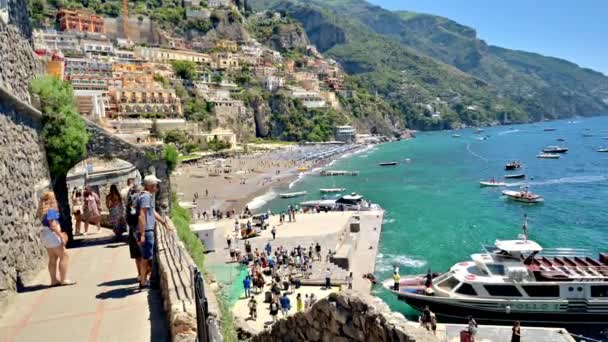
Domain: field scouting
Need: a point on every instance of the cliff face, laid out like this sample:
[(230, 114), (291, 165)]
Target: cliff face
[(287, 37)]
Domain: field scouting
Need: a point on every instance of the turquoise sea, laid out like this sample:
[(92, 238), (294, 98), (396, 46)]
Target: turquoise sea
[(436, 212)]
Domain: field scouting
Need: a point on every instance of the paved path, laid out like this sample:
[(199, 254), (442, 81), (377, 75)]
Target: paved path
[(105, 304)]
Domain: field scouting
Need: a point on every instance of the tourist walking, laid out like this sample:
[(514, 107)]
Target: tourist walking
[(274, 310), (247, 286), (253, 308), (273, 231), (516, 334), (306, 302), (77, 203), (53, 239), (285, 304), (318, 251), (147, 220), (299, 303), (228, 240), (116, 207), (132, 218), (328, 279), (91, 209), (472, 329), (268, 248)]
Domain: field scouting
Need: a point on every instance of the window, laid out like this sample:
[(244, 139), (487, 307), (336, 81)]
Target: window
[(599, 291), (502, 290), (466, 289), (542, 291), (496, 269), (448, 284)]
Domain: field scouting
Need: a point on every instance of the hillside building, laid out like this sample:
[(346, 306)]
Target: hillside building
[(347, 134), (76, 20)]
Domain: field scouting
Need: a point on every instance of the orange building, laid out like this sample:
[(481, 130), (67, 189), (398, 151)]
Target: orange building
[(75, 20)]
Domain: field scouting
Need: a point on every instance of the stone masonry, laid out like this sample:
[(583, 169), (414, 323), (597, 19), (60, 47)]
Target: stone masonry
[(346, 316)]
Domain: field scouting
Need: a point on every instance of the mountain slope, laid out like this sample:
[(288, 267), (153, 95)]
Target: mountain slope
[(431, 94), (543, 86)]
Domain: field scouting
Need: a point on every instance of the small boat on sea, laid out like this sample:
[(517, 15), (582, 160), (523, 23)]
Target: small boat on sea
[(338, 173), (388, 164), (548, 156), (587, 135), (550, 129), (555, 149), (293, 194), (331, 190), (515, 176), (302, 169), (478, 131), (602, 149), (515, 280), (512, 165), (561, 139), (491, 183), (523, 196), (456, 135)]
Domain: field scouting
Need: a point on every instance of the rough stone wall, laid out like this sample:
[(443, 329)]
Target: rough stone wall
[(343, 317), (23, 176), (17, 61)]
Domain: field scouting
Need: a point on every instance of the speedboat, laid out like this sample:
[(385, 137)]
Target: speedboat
[(587, 135), (492, 183), (456, 135), (513, 165), (388, 164), (292, 194), (331, 190), (555, 149), (549, 129), (515, 176), (523, 196), (548, 156), (478, 131), (515, 280), (338, 173), (561, 139), (602, 149), (353, 201)]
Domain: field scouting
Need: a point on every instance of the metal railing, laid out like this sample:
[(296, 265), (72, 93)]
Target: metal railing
[(202, 307)]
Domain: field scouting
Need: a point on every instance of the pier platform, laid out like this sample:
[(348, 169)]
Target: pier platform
[(499, 333)]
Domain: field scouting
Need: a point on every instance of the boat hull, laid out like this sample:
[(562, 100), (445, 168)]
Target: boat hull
[(483, 312), (491, 184)]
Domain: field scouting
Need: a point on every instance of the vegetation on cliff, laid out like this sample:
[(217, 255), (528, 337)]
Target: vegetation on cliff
[(63, 130)]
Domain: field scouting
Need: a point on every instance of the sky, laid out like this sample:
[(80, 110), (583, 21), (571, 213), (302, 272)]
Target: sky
[(574, 30)]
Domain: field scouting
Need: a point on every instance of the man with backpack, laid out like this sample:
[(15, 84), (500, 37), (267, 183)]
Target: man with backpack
[(132, 217)]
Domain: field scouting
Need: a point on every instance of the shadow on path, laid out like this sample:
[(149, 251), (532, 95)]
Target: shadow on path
[(119, 282), (159, 325), (118, 293)]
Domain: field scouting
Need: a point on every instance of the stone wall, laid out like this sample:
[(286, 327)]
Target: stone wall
[(343, 317)]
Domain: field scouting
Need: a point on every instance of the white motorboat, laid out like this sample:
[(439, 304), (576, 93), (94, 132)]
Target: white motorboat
[(548, 156), (555, 149), (515, 280), (456, 135), (523, 196), (353, 201), (332, 190), (492, 183), (293, 194), (602, 149), (338, 173)]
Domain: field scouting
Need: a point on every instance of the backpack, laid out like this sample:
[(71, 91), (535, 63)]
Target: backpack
[(131, 208)]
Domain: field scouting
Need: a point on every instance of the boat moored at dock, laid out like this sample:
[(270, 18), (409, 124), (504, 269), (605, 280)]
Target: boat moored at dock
[(515, 280), (353, 201)]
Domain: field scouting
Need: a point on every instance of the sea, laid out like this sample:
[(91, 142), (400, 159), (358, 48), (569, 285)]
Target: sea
[(437, 214)]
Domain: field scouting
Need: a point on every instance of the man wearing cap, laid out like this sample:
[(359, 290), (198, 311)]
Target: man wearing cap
[(147, 221)]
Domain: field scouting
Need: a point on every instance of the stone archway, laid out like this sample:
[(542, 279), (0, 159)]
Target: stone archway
[(103, 144)]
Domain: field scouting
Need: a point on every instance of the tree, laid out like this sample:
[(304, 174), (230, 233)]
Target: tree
[(184, 69), (177, 137), (63, 130), (217, 145), (170, 153)]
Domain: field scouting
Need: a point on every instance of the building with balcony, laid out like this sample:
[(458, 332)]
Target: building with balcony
[(273, 83), (76, 20), (220, 134), (226, 44), (80, 66), (97, 47), (347, 134), (219, 3), (166, 55), (51, 40), (136, 101), (226, 60), (310, 99)]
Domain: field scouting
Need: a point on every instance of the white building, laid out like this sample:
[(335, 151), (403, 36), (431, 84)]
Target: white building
[(165, 55), (219, 134), (98, 47), (91, 104), (273, 83), (219, 3), (347, 134), (310, 99), (51, 40)]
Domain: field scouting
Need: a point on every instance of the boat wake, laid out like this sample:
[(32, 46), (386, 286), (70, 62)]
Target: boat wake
[(565, 180), (475, 154), (260, 201), (387, 262), (300, 176), (388, 221), (509, 132)]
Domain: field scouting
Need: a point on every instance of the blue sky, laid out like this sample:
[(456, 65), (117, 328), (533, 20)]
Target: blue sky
[(573, 30)]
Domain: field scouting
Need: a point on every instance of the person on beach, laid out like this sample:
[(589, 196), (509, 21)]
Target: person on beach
[(147, 221), (299, 303), (236, 226), (306, 302), (253, 308), (349, 281), (273, 231), (268, 247), (228, 240), (313, 299), (247, 286), (91, 210), (274, 310), (53, 239), (285, 304), (328, 279), (318, 250), (516, 334), (77, 202)]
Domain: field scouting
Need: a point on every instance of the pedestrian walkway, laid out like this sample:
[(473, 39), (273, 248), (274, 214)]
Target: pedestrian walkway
[(104, 305)]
